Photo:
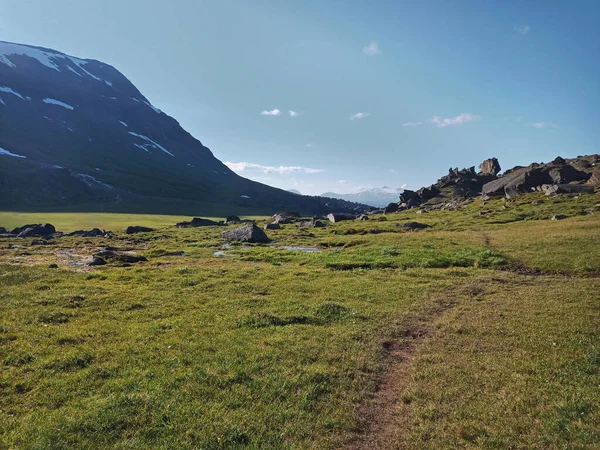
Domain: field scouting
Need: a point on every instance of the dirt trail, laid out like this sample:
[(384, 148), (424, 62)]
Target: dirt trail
[(379, 415)]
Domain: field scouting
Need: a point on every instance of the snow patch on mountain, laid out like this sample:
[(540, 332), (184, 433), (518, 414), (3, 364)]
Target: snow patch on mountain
[(10, 91), (153, 143), (2, 101), (123, 123), (7, 153), (46, 57), (91, 181), (52, 101), (156, 110)]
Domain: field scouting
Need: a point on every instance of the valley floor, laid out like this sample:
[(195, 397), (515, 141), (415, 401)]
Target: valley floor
[(480, 332)]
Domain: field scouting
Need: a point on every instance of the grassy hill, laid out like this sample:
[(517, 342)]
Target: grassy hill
[(480, 332)]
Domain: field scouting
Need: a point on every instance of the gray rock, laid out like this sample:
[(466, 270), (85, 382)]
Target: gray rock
[(272, 226), (232, 220), (362, 217), (490, 167), (94, 232), (248, 233), (559, 217)]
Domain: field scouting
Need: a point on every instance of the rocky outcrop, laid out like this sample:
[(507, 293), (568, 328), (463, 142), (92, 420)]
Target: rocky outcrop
[(232, 220), (248, 233), (522, 180), (391, 208), (568, 189), (413, 226), (272, 226)]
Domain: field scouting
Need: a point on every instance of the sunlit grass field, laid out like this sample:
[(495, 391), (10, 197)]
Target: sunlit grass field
[(266, 347)]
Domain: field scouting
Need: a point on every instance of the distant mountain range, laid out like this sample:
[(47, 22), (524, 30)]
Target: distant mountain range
[(378, 197), (77, 135)]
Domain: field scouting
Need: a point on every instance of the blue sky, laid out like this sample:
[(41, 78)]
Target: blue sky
[(383, 92)]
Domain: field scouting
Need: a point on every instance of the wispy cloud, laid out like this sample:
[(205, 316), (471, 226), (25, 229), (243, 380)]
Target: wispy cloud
[(522, 29), (392, 171), (541, 125), (343, 181), (293, 113), (282, 170), (372, 49), (458, 120), (412, 124), (273, 112), (360, 115), (308, 145)]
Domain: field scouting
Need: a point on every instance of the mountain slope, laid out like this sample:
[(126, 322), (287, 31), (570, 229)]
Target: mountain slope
[(76, 134), (378, 197)]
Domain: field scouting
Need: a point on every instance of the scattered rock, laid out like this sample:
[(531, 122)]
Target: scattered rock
[(97, 261), (311, 223), (559, 217), (412, 226), (248, 233), (362, 217), (137, 229), (7, 235), (285, 217), (272, 226), (94, 232), (199, 222), (339, 217), (127, 258)]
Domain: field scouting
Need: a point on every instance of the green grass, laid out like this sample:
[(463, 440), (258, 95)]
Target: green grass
[(271, 348)]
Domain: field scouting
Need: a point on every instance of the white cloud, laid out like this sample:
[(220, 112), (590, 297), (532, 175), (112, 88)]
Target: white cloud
[(404, 186), (273, 112), (412, 124), (541, 125), (293, 113), (343, 181), (360, 115), (522, 29), (458, 120), (282, 170), (308, 145), (392, 171), (372, 49)]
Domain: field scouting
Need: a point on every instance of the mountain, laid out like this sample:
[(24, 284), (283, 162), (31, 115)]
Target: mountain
[(294, 191), (378, 197), (77, 135)]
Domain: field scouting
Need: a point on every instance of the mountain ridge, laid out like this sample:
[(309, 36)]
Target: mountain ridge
[(90, 140)]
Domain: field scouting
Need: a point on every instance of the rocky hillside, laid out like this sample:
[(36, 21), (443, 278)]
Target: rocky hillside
[(575, 175), (76, 134)]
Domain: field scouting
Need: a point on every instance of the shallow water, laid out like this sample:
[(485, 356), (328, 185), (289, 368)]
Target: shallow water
[(301, 249)]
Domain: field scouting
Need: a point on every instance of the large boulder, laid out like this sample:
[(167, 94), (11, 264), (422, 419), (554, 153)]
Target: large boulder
[(284, 217), (248, 233), (272, 226), (137, 229), (339, 217), (35, 230), (232, 220), (199, 222), (490, 167), (391, 208), (311, 223)]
